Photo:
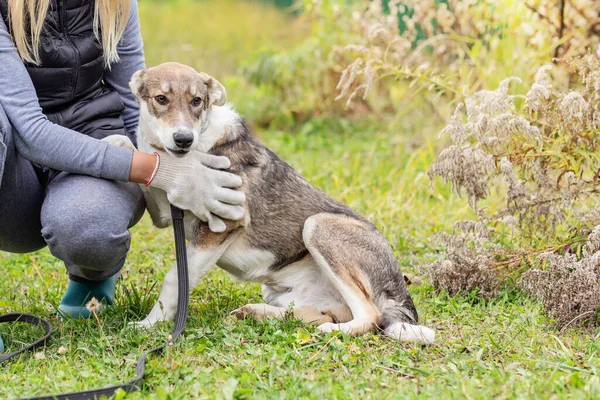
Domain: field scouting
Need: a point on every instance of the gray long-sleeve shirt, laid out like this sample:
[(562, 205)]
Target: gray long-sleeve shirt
[(51, 145)]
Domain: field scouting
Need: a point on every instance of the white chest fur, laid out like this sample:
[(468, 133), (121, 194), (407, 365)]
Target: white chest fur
[(246, 263)]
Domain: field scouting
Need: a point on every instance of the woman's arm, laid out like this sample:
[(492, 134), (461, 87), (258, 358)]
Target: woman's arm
[(42, 142), (131, 53)]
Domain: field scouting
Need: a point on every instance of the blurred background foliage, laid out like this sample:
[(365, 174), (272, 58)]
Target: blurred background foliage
[(215, 36), (288, 60)]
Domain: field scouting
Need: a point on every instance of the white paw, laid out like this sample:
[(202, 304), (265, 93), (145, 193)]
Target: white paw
[(143, 324), (346, 327), (328, 327), (410, 333), (119, 141), (354, 327)]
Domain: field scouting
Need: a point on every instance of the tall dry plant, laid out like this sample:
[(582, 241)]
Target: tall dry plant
[(544, 146), (540, 153), (532, 139), (572, 26), (458, 46)]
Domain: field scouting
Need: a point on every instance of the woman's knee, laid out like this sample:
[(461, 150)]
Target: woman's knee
[(85, 221), (92, 246)]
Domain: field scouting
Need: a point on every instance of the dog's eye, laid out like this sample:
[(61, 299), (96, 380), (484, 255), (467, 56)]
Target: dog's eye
[(162, 100), (196, 101)]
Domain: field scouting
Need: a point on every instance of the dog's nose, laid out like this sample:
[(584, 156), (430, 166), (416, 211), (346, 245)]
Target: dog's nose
[(183, 140)]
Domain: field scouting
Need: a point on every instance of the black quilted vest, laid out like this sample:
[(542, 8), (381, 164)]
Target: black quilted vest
[(69, 81)]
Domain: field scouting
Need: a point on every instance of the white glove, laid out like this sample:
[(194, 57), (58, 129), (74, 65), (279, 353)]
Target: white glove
[(194, 183)]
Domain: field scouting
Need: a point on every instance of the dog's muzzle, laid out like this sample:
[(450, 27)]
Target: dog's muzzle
[(183, 140)]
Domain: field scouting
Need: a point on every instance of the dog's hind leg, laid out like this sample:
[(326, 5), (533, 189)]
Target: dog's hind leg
[(337, 245), (361, 266), (339, 313), (306, 314)]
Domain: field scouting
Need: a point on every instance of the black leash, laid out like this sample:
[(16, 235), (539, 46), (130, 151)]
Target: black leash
[(30, 319), (135, 384)]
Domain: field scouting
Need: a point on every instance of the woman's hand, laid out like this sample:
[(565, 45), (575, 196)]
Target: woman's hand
[(192, 183)]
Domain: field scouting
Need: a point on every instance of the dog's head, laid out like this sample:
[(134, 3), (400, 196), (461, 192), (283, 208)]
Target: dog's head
[(175, 103)]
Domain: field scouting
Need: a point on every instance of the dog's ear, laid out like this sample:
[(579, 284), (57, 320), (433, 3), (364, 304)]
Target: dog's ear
[(216, 92), (136, 84)]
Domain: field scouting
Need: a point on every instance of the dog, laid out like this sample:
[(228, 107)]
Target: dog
[(316, 259)]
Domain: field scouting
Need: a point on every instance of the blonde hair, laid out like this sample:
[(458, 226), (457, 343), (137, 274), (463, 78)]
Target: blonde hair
[(26, 19)]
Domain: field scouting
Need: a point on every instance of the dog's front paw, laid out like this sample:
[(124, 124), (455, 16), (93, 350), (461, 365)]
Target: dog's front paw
[(119, 141), (143, 324)]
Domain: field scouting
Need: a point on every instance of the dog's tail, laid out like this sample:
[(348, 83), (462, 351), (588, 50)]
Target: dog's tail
[(399, 321)]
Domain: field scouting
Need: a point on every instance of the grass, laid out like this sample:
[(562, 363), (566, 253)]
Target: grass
[(502, 348), (505, 348)]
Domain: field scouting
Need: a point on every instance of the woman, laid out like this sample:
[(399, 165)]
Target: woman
[(64, 72)]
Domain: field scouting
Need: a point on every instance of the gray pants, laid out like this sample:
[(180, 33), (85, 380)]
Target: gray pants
[(83, 220)]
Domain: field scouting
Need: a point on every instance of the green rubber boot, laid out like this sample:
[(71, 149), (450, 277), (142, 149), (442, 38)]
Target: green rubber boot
[(76, 301)]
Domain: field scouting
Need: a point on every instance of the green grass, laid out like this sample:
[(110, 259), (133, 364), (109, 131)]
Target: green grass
[(505, 348)]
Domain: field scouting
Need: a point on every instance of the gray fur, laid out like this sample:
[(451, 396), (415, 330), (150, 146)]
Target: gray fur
[(279, 202)]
